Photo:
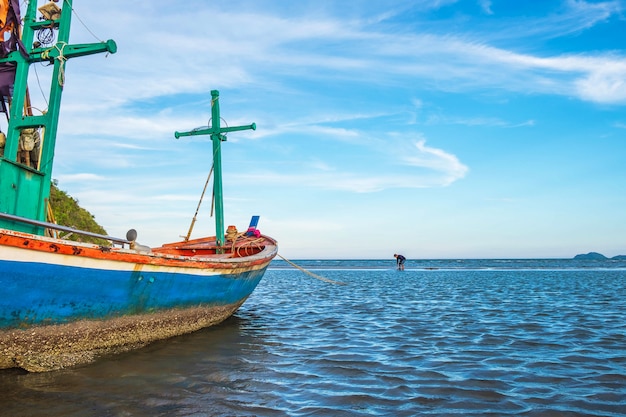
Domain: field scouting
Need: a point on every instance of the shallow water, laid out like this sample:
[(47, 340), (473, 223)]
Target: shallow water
[(542, 338)]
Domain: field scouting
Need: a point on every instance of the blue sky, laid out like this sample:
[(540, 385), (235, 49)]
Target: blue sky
[(433, 128)]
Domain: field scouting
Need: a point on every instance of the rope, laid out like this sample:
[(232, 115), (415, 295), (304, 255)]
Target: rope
[(45, 54), (195, 216), (311, 273), (242, 242)]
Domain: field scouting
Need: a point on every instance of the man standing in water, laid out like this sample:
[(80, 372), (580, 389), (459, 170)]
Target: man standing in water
[(400, 261)]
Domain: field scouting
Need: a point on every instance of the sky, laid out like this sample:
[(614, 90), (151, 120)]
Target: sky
[(431, 128)]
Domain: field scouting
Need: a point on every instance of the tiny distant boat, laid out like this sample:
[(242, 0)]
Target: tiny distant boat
[(62, 302)]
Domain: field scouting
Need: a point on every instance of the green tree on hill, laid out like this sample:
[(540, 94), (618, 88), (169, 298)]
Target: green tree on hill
[(68, 213)]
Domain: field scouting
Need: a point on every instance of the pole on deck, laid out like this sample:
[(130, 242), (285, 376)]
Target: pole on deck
[(216, 132), (216, 138)]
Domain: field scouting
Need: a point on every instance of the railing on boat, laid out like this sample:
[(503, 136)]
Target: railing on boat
[(62, 228)]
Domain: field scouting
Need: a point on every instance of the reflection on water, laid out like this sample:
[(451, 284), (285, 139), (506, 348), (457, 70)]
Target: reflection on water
[(420, 342)]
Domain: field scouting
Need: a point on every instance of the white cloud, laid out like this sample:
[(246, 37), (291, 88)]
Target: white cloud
[(438, 160), (606, 84), (430, 167), (588, 14), (332, 88), (241, 48)]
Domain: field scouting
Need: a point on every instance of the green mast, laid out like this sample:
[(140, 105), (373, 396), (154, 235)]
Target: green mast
[(26, 169), (216, 137)]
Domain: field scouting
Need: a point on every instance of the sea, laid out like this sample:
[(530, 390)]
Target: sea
[(498, 337)]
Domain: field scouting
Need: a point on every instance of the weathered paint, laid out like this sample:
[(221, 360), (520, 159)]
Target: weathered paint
[(51, 347), (48, 286), (61, 302)]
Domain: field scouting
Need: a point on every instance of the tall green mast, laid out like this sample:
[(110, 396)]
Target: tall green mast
[(24, 185), (216, 137)]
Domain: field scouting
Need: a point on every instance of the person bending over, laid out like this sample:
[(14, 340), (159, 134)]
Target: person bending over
[(400, 261)]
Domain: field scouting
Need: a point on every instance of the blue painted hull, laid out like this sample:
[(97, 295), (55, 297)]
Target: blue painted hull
[(35, 293), (65, 303)]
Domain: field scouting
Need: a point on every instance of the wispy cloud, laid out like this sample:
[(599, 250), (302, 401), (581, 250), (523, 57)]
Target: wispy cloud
[(584, 14), (439, 119), (430, 167), (568, 17), (328, 47), (153, 67), (438, 160), (354, 101)]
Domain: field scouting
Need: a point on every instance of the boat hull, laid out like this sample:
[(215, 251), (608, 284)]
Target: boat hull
[(65, 303)]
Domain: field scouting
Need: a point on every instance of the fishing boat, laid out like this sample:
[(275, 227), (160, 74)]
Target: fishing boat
[(64, 302)]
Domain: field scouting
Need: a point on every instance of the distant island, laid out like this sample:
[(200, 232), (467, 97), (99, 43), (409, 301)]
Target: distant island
[(598, 257)]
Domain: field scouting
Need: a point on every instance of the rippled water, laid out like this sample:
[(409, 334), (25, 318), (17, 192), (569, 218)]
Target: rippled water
[(475, 340)]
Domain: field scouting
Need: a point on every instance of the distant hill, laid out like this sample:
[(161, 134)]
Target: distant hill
[(598, 256), (591, 255), (67, 212)]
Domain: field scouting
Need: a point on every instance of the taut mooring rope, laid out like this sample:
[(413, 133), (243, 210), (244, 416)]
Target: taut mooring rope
[(311, 273)]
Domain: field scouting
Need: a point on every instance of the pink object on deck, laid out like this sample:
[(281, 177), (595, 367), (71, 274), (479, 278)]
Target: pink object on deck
[(252, 231)]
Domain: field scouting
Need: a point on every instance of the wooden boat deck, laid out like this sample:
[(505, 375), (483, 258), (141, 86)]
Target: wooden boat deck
[(242, 246)]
